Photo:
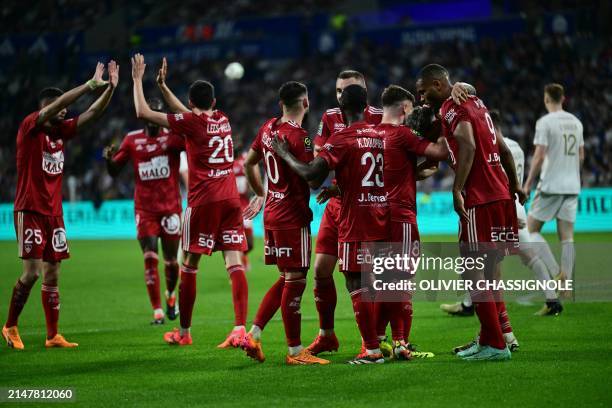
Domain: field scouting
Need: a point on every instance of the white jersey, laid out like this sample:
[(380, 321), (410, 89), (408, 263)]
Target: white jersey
[(519, 162), (561, 133)]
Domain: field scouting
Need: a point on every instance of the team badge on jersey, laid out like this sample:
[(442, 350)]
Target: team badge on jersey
[(307, 144), (171, 224)]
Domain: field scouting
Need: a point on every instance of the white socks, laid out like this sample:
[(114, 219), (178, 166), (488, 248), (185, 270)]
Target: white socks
[(568, 257), (295, 350), (375, 351), (541, 272), (467, 300), (326, 332), (255, 332), (184, 331), (543, 251)]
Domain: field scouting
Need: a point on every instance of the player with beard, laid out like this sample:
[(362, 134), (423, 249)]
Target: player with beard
[(155, 155), (483, 197), (39, 222)]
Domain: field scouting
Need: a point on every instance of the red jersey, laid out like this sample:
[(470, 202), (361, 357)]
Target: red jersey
[(357, 155), (333, 121), (402, 148), (210, 156), (156, 170), (487, 181), (288, 194), (40, 165), (241, 181)]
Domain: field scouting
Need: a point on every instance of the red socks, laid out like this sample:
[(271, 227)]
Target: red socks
[(325, 300), (290, 308), (240, 293), (187, 294), (172, 272), (51, 305), (504, 320), (383, 314), (18, 301), (270, 303), (152, 278), (490, 328), (364, 314), (406, 308)]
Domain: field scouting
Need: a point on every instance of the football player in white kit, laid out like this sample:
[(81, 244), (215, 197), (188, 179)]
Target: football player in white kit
[(528, 252), (557, 160)]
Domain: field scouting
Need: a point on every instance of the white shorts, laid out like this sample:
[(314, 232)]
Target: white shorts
[(546, 207)]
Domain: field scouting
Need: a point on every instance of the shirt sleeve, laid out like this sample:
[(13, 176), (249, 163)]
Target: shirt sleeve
[(333, 151), (323, 132), (29, 123), (302, 147), (123, 154), (413, 143), (461, 115), (257, 145), (541, 133), (180, 123)]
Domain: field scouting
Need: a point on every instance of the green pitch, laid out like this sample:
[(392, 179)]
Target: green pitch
[(122, 360)]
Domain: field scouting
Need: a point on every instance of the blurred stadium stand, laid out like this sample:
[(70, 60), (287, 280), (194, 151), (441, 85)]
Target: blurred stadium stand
[(508, 49)]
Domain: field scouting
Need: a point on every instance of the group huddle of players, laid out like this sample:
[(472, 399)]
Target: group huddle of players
[(375, 158)]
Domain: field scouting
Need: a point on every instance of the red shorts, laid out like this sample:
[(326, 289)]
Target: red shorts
[(41, 236), (405, 237), (166, 226), (214, 227), (327, 238), (490, 226), (288, 249), (356, 256)]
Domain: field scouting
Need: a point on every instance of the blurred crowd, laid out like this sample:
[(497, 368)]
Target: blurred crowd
[(509, 76)]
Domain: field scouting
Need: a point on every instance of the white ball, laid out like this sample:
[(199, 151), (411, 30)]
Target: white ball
[(234, 70)]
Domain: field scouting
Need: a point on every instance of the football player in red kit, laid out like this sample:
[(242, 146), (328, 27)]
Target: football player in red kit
[(356, 153), (402, 149), (326, 248), (213, 218), (39, 223), (155, 155), (287, 219), (483, 196)]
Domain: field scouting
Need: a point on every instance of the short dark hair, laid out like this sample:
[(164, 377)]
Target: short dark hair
[(433, 71), (354, 99), (202, 94), (155, 104), (555, 92), (496, 118), (394, 94), (49, 93), (349, 73), (290, 93)]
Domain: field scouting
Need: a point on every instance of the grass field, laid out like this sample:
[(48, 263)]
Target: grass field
[(122, 360)]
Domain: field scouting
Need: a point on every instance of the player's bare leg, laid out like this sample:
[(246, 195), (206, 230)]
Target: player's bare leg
[(51, 305), (187, 295), (325, 300), (32, 269), (171, 270), (248, 232), (565, 231), (151, 274), (240, 298)]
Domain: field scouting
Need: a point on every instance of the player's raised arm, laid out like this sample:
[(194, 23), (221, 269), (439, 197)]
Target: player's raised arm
[(99, 106), (314, 172), (253, 176), (464, 134), (171, 100), (143, 111), (72, 95)]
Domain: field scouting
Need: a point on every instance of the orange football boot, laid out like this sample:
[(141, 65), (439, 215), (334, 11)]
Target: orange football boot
[(253, 348), (59, 341), (11, 335), (304, 358), (174, 338), (234, 339)]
